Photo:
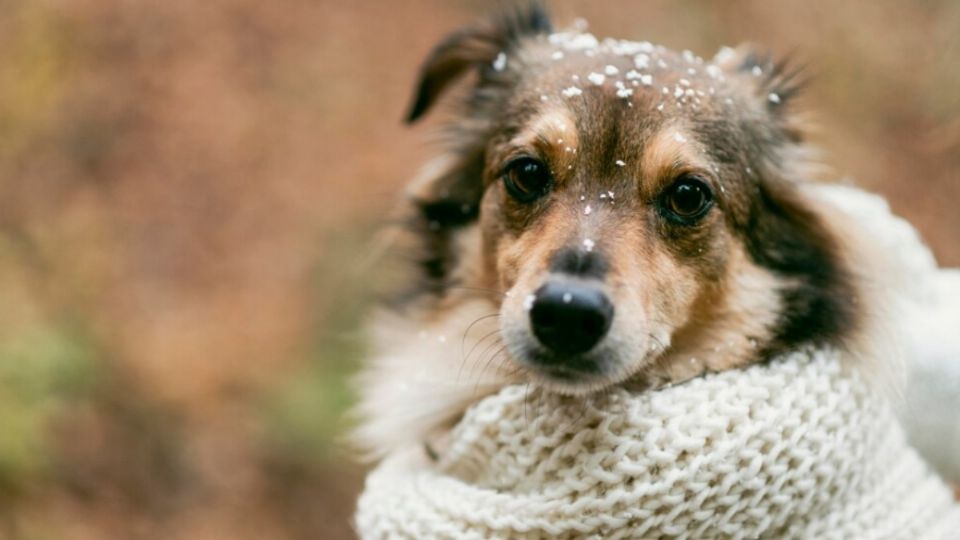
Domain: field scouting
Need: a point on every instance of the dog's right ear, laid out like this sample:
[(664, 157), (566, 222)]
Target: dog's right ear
[(478, 46)]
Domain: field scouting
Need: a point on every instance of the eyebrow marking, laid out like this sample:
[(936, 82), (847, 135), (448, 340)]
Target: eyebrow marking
[(554, 134), (554, 124), (669, 150)]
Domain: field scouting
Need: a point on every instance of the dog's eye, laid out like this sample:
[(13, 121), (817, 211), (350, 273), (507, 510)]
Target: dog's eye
[(688, 199), (527, 179)]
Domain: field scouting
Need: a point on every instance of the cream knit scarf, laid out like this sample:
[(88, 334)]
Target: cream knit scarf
[(799, 447)]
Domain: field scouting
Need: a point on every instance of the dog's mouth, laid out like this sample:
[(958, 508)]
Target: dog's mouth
[(571, 374)]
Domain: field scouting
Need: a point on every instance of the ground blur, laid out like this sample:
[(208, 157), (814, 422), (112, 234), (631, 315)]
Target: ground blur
[(188, 190)]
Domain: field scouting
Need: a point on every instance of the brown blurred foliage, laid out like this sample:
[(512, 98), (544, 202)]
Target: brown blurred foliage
[(187, 191)]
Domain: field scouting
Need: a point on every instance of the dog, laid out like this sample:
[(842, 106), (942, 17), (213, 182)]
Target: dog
[(605, 213)]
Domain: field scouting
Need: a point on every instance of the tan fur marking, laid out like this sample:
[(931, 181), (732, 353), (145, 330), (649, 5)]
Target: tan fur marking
[(527, 257), (553, 134), (726, 325), (669, 152)]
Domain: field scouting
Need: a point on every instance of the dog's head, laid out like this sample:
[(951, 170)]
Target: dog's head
[(638, 208)]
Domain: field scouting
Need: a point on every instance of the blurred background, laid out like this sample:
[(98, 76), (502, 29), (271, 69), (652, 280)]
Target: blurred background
[(187, 190)]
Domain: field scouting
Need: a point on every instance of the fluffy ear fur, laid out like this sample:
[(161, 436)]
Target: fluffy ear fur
[(771, 83), (474, 46)]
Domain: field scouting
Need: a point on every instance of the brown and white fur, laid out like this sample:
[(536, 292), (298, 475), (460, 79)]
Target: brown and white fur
[(766, 269)]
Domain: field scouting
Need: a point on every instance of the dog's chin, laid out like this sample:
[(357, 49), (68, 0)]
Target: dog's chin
[(575, 375), (569, 383)]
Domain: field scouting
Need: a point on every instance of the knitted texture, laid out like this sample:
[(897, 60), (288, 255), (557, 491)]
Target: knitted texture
[(796, 448)]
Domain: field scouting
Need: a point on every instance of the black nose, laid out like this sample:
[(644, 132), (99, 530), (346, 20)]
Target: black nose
[(570, 318)]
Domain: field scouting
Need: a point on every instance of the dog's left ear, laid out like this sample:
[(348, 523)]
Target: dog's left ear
[(771, 83), (479, 46)]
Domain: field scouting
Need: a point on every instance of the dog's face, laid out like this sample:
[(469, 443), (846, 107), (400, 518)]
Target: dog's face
[(634, 205), (605, 207)]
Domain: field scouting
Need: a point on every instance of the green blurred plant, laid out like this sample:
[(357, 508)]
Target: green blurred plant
[(44, 369), (47, 364)]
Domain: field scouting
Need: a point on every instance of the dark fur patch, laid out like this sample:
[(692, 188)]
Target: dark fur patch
[(454, 204), (580, 263), (784, 236)]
